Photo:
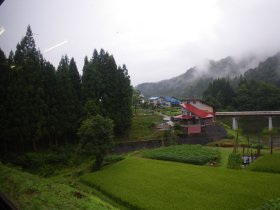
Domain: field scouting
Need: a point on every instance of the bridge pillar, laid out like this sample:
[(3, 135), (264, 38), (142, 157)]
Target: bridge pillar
[(234, 124), (270, 126)]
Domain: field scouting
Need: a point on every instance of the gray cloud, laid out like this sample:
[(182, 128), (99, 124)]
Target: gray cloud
[(155, 39)]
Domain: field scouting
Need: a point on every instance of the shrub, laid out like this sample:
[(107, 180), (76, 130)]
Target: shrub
[(234, 161), (45, 163)]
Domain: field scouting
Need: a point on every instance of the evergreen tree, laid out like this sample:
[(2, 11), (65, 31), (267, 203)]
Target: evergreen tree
[(243, 100), (68, 99), (75, 78), (108, 87), (220, 94), (124, 97), (4, 83), (28, 106), (49, 84)]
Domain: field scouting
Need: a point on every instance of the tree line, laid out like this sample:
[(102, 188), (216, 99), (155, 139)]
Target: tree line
[(42, 106), (242, 94)]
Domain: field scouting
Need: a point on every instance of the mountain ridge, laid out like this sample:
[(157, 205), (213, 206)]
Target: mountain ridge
[(195, 80)]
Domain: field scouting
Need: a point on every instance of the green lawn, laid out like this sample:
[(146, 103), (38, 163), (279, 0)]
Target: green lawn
[(155, 184), (30, 192)]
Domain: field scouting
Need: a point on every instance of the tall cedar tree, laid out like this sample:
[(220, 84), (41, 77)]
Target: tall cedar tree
[(28, 106), (108, 87), (68, 99), (4, 106)]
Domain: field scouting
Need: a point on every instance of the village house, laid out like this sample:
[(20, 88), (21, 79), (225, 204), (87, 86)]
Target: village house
[(198, 103), (163, 101), (195, 116), (156, 101), (170, 101)]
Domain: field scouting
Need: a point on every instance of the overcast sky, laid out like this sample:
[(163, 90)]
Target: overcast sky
[(156, 39)]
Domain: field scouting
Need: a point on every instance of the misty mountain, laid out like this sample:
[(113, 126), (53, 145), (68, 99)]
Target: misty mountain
[(195, 80), (267, 71)]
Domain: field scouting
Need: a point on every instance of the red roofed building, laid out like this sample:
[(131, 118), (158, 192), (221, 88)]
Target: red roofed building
[(194, 118)]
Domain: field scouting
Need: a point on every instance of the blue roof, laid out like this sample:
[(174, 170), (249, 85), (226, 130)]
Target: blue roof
[(168, 98), (172, 100)]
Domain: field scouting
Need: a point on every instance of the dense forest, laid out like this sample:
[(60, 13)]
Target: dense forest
[(42, 106), (242, 94), (257, 89)]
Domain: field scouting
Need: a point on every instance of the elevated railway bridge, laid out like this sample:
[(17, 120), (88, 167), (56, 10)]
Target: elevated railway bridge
[(234, 115)]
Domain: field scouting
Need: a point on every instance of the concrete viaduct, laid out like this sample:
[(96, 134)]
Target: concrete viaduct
[(268, 114)]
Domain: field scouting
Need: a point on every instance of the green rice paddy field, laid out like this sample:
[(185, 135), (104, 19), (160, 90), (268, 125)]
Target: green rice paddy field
[(154, 184)]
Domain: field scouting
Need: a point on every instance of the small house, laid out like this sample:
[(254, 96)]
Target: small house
[(156, 101), (194, 119), (198, 103), (170, 101)]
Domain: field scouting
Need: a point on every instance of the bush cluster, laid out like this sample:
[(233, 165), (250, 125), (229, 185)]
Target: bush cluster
[(193, 154), (45, 163)]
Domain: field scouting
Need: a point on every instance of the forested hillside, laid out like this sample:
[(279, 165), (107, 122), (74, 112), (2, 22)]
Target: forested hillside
[(267, 71), (249, 95), (258, 89), (41, 106)]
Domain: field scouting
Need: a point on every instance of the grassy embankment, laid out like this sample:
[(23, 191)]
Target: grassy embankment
[(29, 192), (144, 127), (155, 184), (267, 163)]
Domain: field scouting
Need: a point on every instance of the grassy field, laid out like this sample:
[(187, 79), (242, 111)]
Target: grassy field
[(155, 184), (143, 128), (267, 163), (193, 154), (30, 192)]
